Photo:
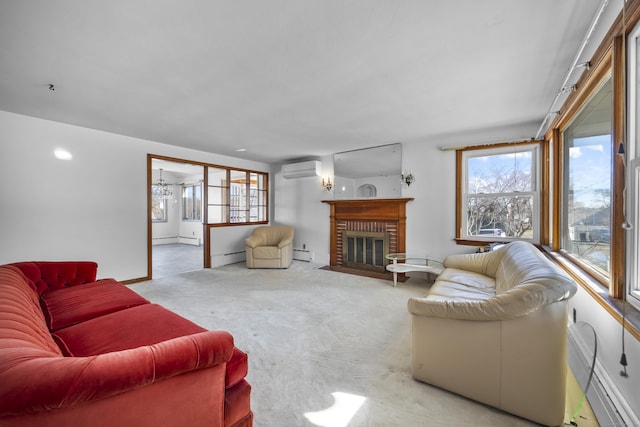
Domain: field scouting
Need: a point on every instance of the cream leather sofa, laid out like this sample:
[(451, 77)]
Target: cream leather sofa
[(493, 328), (270, 246)]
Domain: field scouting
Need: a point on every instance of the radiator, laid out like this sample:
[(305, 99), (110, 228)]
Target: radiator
[(302, 255), (218, 260), (189, 240)]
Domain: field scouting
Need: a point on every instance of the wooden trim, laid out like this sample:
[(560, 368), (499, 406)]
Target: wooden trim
[(392, 210), (206, 231), (460, 240), (149, 221), (459, 185), (544, 192), (600, 294), (557, 189), (586, 87), (618, 253), (206, 236)]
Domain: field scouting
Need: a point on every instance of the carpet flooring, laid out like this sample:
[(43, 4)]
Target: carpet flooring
[(325, 348)]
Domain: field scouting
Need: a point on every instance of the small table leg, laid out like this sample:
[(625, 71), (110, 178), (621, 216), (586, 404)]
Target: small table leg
[(395, 273)]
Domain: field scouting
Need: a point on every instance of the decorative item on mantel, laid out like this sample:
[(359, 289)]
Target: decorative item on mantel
[(327, 184), (407, 179)]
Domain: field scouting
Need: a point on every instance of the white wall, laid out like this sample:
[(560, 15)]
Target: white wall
[(430, 216), (298, 202), (93, 207)]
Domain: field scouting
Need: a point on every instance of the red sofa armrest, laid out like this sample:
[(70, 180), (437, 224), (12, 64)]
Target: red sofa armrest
[(49, 275), (43, 383)]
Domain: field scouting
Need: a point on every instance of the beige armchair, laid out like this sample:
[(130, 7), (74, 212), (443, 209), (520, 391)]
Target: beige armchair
[(270, 247), (493, 328)]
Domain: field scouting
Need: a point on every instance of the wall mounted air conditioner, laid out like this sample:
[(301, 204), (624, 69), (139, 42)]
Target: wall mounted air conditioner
[(301, 169)]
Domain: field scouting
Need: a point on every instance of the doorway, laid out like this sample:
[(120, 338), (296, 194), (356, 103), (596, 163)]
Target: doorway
[(176, 240)]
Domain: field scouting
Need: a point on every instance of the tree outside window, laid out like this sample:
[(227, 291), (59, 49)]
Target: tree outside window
[(501, 193)]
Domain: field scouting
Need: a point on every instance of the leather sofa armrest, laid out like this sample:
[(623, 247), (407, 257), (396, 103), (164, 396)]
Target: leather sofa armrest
[(57, 382), (286, 242), (485, 263), (514, 303), (487, 310), (253, 241)]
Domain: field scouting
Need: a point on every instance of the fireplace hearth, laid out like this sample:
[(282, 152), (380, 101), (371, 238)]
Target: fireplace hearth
[(364, 231)]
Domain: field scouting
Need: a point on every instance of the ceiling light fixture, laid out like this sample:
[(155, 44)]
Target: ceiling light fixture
[(62, 154), (161, 188)]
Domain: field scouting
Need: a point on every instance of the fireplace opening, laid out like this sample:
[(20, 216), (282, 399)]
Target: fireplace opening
[(365, 250)]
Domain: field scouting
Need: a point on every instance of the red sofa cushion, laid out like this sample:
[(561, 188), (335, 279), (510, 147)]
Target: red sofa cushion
[(135, 327), (48, 275), (237, 367), (122, 330), (237, 405), (68, 306)]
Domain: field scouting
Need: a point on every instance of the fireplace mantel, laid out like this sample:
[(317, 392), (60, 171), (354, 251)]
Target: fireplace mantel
[(374, 211)]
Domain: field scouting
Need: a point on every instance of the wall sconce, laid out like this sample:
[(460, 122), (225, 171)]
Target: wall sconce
[(327, 185), (407, 179)]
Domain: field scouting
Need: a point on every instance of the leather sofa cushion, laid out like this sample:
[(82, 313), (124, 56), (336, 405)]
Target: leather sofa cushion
[(68, 306), (266, 252)]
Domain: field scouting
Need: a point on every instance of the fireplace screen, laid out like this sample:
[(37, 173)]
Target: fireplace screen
[(365, 250)]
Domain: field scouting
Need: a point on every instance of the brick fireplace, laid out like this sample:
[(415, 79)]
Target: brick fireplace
[(370, 219)]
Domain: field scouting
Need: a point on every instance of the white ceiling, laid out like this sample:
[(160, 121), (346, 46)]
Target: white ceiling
[(291, 79)]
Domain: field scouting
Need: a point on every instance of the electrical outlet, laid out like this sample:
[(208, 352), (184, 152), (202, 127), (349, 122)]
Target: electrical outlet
[(304, 246)]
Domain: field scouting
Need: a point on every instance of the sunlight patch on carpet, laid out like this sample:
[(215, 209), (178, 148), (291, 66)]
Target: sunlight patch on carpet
[(345, 406)]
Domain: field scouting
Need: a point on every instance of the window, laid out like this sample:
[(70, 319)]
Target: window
[(500, 194), (158, 204), (586, 188), (633, 170), (237, 196), (192, 202)]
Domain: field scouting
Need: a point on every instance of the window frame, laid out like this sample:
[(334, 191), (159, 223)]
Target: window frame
[(462, 156), (632, 169), (561, 198), (195, 213), (609, 59)]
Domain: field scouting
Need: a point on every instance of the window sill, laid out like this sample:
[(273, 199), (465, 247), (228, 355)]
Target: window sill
[(615, 307)]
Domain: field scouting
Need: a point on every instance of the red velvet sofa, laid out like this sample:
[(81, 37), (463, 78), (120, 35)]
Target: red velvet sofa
[(76, 351)]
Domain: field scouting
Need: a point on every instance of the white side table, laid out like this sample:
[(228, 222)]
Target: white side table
[(412, 263)]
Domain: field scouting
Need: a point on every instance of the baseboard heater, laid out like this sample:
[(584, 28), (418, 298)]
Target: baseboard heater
[(164, 240), (218, 260), (195, 241), (302, 255)]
